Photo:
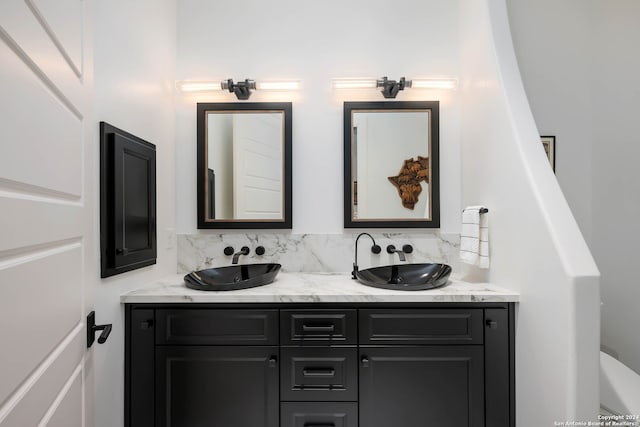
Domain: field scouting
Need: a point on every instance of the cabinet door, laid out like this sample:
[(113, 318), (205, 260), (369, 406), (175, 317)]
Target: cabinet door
[(439, 386), (127, 201), (217, 386), (139, 369)]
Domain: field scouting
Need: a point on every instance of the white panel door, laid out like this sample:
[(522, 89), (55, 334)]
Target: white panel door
[(258, 165), (44, 134)]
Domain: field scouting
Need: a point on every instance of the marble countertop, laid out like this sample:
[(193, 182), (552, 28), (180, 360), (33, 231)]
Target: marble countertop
[(315, 287)]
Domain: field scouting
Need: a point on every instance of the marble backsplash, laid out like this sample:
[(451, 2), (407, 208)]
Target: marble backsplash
[(314, 253)]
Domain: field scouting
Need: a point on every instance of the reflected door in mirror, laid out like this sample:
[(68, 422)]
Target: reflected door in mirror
[(244, 171)]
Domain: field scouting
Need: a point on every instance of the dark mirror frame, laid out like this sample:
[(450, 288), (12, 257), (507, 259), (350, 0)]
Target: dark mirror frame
[(434, 222), (202, 173)]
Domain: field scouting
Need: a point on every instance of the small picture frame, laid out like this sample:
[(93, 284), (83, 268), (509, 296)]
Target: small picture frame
[(549, 144)]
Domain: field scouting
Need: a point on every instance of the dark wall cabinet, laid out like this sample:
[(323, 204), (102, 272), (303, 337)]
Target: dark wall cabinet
[(127, 202), (446, 365)]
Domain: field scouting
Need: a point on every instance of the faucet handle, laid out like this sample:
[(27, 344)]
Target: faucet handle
[(228, 251), (260, 250), (376, 249), (407, 249)]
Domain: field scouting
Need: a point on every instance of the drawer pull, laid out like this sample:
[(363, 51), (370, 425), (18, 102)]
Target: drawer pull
[(319, 425), (328, 327), (273, 360), (319, 372), (328, 387)]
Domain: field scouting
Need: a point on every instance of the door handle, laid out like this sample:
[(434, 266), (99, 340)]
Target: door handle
[(492, 324), (92, 328)]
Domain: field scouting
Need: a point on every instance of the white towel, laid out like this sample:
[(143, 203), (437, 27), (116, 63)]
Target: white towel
[(474, 238)]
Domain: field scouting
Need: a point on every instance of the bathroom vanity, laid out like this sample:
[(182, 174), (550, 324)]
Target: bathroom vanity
[(319, 350)]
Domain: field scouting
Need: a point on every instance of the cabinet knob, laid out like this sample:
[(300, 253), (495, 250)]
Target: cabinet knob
[(273, 361), (365, 361), (122, 251), (146, 324), (492, 324)]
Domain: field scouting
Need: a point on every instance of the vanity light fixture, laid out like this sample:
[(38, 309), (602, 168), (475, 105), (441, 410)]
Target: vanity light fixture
[(357, 83), (434, 83), (390, 88), (187, 86), (279, 85), (241, 89)]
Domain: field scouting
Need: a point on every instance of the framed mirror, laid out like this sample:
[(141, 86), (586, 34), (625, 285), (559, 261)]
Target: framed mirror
[(391, 168), (244, 165)]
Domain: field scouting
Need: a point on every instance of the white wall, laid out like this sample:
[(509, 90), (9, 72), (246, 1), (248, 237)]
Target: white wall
[(134, 79), (315, 42), (537, 247), (553, 45), (587, 94), (616, 193)]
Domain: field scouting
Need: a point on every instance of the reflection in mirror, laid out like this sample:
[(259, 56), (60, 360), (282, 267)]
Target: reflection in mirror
[(391, 164), (244, 165)]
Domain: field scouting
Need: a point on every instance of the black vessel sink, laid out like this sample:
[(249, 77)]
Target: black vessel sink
[(232, 277), (405, 277)]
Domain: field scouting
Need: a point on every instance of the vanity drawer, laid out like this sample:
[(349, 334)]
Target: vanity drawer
[(319, 374), (325, 327), (318, 414), (421, 326), (217, 327)]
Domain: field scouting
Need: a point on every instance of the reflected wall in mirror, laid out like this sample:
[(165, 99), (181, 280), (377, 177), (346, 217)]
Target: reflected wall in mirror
[(244, 165), (391, 168)]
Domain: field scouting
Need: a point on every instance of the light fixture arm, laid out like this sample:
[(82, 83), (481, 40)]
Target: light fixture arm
[(390, 88), (242, 90)]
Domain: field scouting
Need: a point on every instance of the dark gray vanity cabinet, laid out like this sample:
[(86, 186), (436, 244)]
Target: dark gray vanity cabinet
[(322, 365)]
